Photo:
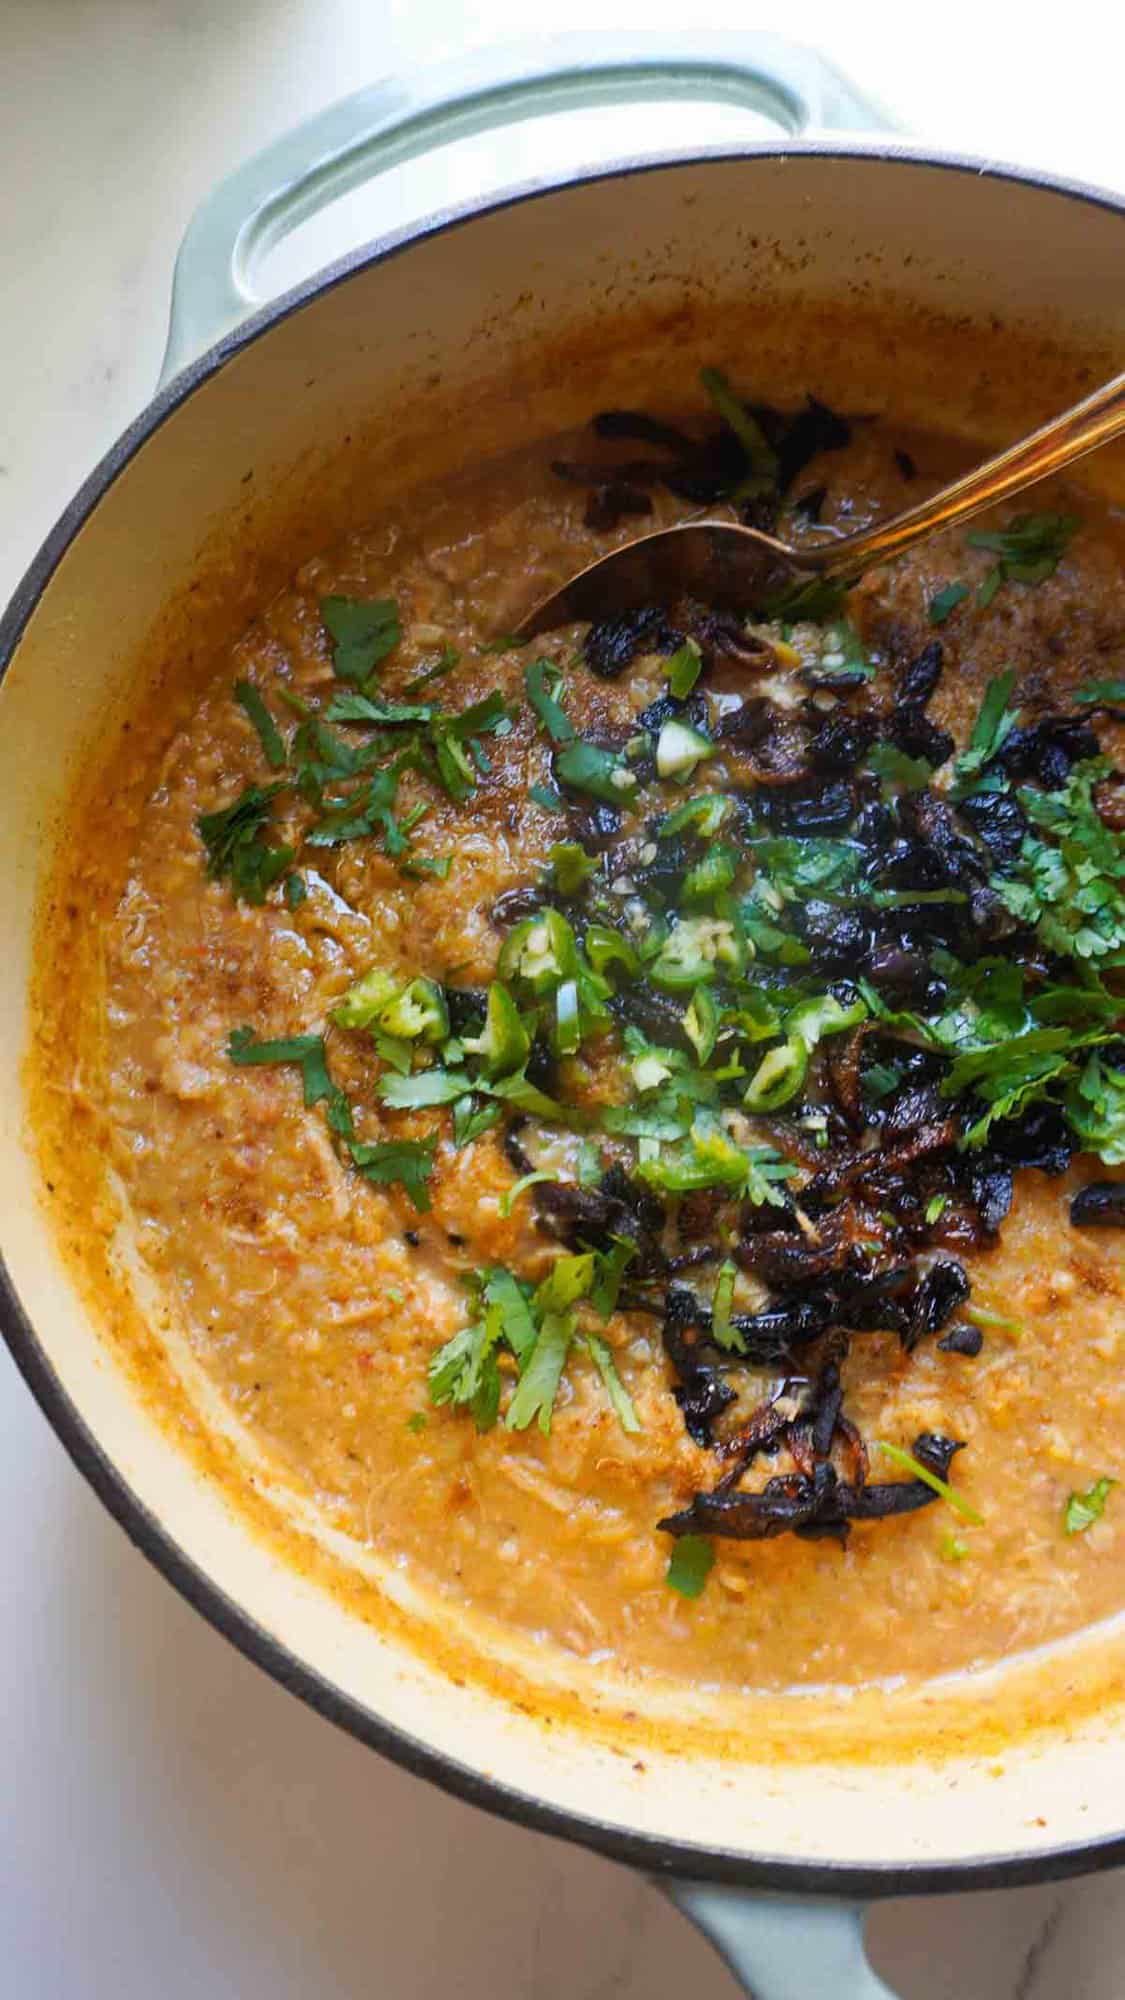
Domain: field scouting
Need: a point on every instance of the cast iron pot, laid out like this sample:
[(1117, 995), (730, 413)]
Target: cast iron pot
[(243, 444)]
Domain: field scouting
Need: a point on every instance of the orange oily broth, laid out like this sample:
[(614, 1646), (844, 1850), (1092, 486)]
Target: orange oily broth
[(316, 1316)]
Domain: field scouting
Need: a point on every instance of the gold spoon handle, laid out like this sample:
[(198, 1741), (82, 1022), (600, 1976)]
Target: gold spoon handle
[(1097, 420)]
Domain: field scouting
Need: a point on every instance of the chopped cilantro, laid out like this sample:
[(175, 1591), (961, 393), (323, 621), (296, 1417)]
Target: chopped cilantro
[(994, 1322), (1008, 1075), (1095, 1106), (1106, 694), (690, 1565), (421, 865), (568, 1280), (447, 659), (620, 1401), (465, 1372), (363, 632), (407, 1161), (296, 890), (355, 707), (472, 1119), (449, 735), (1071, 888), (994, 724), (1028, 550), (761, 457), (542, 680), (505, 1292), (941, 1487), (363, 813), (721, 1302), (538, 1385), (945, 601), (417, 1423), (545, 796), (310, 1056), (799, 867), (898, 771), (509, 1199), (253, 706), (610, 1267), (1083, 1509), (235, 848)]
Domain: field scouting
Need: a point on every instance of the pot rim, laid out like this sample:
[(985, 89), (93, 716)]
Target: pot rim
[(658, 1856)]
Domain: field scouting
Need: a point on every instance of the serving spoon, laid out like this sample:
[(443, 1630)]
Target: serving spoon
[(724, 563)]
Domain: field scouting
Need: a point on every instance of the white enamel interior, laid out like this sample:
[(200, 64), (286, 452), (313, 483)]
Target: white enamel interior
[(465, 304)]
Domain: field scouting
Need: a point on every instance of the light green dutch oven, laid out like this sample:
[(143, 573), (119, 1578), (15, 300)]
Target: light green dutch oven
[(774, 1863)]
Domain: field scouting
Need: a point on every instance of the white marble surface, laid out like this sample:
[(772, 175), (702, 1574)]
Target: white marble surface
[(170, 1822)]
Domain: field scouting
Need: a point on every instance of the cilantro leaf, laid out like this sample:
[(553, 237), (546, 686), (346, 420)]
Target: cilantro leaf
[(941, 1487), (799, 867), (504, 1291), (1095, 1106), (542, 680), (1107, 694), (898, 771), (449, 735), (1028, 550), (250, 701), (620, 1401), (761, 457), (945, 601), (538, 1385), (1072, 888), (994, 724), (232, 837), (1009, 1076), (429, 1086), (363, 631), (464, 1371), (355, 707), (407, 1161), (447, 659), (472, 1118), (310, 1056)]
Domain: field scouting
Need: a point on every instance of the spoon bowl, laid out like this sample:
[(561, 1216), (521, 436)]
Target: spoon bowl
[(727, 564)]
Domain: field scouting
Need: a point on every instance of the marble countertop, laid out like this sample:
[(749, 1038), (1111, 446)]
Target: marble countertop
[(170, 1821)]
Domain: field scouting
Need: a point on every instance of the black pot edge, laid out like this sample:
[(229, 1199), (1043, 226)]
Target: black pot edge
[(656, 1856)]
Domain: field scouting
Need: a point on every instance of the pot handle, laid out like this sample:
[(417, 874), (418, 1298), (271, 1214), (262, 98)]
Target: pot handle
[(348, 143), (784, 1947)]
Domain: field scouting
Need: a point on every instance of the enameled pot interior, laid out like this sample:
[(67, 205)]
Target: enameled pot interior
[(463, 342)]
